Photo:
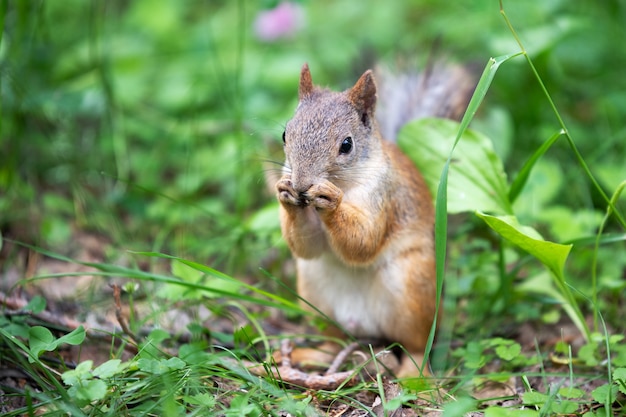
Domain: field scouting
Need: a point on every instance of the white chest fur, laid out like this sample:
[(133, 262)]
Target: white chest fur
[(358, 298)]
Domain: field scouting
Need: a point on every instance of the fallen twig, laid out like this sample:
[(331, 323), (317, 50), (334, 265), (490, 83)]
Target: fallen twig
[(331, 379), (117, 290)]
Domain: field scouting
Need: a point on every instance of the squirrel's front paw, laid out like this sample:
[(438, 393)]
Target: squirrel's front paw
[(325, 196), (285, 192)]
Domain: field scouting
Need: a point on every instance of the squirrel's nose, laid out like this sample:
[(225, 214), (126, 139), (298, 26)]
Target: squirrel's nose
[(301, 188), (304, 198)]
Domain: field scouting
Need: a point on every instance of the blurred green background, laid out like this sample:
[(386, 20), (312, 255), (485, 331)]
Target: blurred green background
[(151, 122)]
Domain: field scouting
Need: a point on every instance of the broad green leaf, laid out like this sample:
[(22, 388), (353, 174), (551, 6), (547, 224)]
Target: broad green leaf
[(160, 366), (36, 305), (605, 394), (564, 407), (509, 352), (509, 412), (75, 337), (534, 398), (476, 176), (588, 353), (619, 376), (76, 375), (205, 399), (109, 368), (157, 336), (40, 339), (474, 357), (460, 407), (552, 255), (174, 363), (151, 366), (195, 353), (571, 392), (92, 390)]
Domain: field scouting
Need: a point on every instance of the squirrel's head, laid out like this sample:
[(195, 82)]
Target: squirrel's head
[(333, 135)]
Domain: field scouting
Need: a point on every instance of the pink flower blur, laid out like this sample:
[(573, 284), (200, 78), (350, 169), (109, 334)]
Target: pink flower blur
[(281, 22)]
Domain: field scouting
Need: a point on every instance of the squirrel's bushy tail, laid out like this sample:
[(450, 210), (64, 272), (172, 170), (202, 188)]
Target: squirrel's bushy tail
[(439, 91)]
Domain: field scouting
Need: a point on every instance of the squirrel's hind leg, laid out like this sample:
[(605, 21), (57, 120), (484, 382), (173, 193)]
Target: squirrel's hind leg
[(410, 365), (319, 357)]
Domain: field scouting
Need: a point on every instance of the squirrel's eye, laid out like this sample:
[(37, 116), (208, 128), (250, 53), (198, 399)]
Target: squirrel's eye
[(284, 136), (346, 146)]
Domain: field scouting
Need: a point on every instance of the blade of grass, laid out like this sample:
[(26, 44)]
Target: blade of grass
[(441, 202), (210, 271), (115, 270), (45, 379), (518, 184), (3, 12), (594, 262)]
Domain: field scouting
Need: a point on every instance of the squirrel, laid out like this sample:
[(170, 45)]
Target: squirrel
[(356, 212)]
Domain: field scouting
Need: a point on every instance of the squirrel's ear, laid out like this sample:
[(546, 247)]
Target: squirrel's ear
[(306, 82), (363, 96)]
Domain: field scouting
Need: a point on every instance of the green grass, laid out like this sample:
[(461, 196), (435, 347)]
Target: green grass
[(148, 124)]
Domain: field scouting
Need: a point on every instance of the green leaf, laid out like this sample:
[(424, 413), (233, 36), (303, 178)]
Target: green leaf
[(40, 339), (564, 407), (157, 336), (109, 368), (604, 394), (619, 376), (205, 400), (508, 352), (474, 357), (476, 177), (151, 366), (75, 337), (89, 391), (174, 363), (588, 354), (509, 412), (78, 374), (460, 407), (534, 398), (571, 392), (195, 353), (552, 255), (36, 305), (160, 366)]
